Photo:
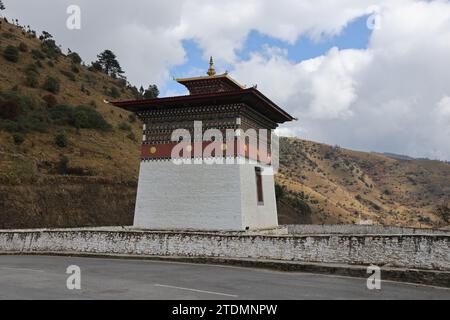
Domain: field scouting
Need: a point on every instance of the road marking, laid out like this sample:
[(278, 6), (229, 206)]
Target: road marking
[(21, 269), (196, 290)]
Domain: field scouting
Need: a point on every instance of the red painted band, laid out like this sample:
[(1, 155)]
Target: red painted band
[(204, 149)]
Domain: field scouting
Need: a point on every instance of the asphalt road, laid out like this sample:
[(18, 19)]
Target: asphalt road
[(42, 277)]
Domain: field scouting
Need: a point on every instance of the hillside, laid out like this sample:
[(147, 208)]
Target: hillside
[(67, 158), (344, 186), (102, 153)]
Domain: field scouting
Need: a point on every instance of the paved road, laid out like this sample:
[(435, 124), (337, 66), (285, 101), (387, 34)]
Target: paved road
[(42, 277)]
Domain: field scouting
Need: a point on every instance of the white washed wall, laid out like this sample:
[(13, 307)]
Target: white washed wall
[(408, 251), (202, 197), (258, 216), (197, 196)]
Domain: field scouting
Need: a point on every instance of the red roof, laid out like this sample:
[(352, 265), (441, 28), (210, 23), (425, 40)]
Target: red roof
[(251, 96)]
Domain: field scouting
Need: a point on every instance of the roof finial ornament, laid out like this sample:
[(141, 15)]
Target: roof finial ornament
[(211, 71)]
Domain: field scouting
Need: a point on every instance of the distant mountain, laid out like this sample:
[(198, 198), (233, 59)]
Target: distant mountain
[(69, 159), (397, 156)]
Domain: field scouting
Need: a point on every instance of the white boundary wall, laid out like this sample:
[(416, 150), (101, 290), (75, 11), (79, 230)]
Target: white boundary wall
[(358, 229), (405, 251)]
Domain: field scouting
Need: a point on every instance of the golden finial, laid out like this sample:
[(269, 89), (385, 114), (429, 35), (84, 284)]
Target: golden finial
[(211, 71)]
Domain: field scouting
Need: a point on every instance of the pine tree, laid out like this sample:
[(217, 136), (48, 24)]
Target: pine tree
[(2, 6), (152, 92), (45, 36), (108, 61)]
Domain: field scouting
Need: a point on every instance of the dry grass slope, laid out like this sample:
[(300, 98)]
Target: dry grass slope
[(112, 154), (345, 186)]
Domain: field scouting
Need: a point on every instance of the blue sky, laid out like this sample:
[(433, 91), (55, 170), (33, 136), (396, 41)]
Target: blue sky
[(355, 35)]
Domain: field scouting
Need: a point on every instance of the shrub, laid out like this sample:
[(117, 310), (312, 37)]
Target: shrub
[(88, 118), (8, 35), (74, 68), (301, 205), (10, 109), (23, 116), (132, 118), (68, 74), (425, 220), (31, 74), (124, 126), (23, 47), (131, 136), (75, 57), (113, 93), (11, 54), (31, 68), (443, 212), (18, 138), (61, 114), (95, 66), (61, 140), (51, 49), (24, 101), (82, 117), (37, 54), (51, 84), (50, 100), (31, 80), (84, 90), (50, 63), (122, 83), (279, 190), (63, 164), (34, 121)]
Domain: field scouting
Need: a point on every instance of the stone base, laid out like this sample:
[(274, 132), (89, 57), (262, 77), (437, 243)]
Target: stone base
[(278, 231)]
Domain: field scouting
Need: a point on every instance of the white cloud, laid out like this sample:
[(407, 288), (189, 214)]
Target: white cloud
[(392, 96), (321, 88), (221, 27), (147, 35)]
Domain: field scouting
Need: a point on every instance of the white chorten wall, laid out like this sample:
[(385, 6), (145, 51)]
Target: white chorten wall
[(254, 215), (202, 197)]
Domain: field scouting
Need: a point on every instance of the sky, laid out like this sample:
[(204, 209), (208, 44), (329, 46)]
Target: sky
[(362, 74)]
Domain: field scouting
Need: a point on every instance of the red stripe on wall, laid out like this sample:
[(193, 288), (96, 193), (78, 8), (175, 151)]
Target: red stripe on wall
[(204, 149)]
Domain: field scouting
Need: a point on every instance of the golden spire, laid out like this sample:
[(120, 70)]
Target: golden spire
[(211, 71)]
